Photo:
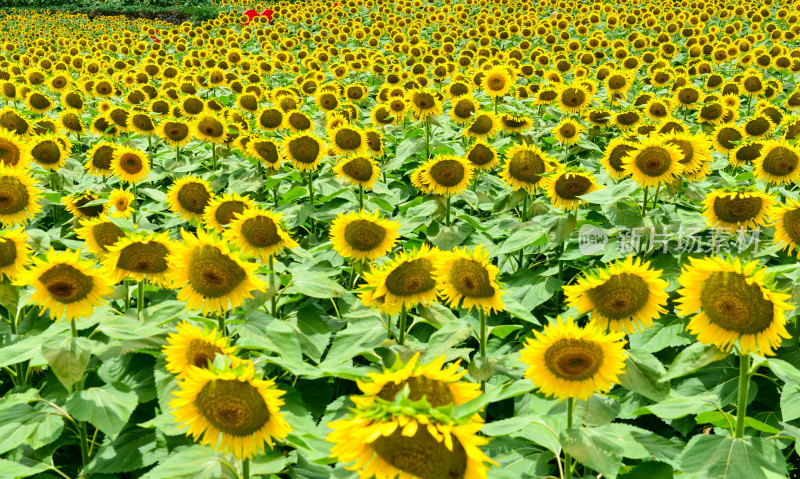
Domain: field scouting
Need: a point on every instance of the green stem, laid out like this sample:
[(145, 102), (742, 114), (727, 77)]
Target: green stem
[(273, 285), (567, 458), (213, 157), (482, 346), (655, 196), (447, 210), (140, 300), (524, 215), (427, 138), (221, 323), (749, 101), (73, 328), (744, 382), (309, 180), (246, 469), (360, 197), (403, 325), (81, 425), (177, 154), (644, 201)]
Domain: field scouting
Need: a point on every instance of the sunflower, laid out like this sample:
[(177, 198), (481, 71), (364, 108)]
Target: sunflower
[(49, 152), (347, 140), (573, 98), (70, 122), (404, 282), (727, 137), (729, 301), (618, 81), (513, 123), (374, 142), (695, 150), (361, 171), (14, 151), (304, 150), (363, 236), (65, 284), (385, 444), (482, 156), (565, 187), (140, 256), (653, 162), (191, 106), (482, 125), (463, 108), (566, 361), (123, 203), (778, 162), (85, 205), (525, 166), (497, 82), (738, 209), (14, 252), (424, 103), (213, 279), (567, 131), (786, 219), (99, 234), (230, 410), (626, 296), (131, 165), (443, 174), (259, 233), (468, 279), (265, 150), (175, 133), (189, 197), (222, 210), (193, 347), (614, 155), (210, 127), (19, 198)]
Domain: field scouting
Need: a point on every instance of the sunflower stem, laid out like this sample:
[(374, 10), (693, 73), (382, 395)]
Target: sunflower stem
[(84, 444), (482, 315), (749, 101), (127, 295), (273, 285), (360, 197), (140, 300), (177, 154), (567, 458), (427, 138), (73, 328), (246, 469), (644, 201), (655, 196), (311, 198), (744, 382), (447, 210), (403, 320), (221, 324)]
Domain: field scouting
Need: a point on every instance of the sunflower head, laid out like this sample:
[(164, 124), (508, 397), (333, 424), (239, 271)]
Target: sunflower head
[(223, 209), (424, 103), (468, 279), (14, 252), (359, 170), (304, 150), (49, 152), (175, 133), (786, 219), (444, 174), (363, 236), (778, 162), (99, 234), (525, 166), (85, 205), (497, 81), (735, 209), (565, 187), (259, 233), (140, 257), (407, 280), (482, 125), (568, 131), (573, 98), (189, 197), (347, 140), (130, 164), (482, 156), (653, 162), (194, 347), (210, 127), (14, 152)]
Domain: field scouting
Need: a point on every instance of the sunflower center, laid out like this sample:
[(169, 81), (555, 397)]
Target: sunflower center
[(653, 161), (299, 121), (496, 82), (89, 211), (574, 359), (757, 126), (569, 186), (480, 155), (727, 136), (193, 197), (447, 172), (193, 106), (411, 277), (8, 252), (13, 195), (46, 152), (9, 152), (686, 148), (437, 393), (791, 224), (573, 97), (304, 149), (481, 125), (470, 279), (143, 122), (234, 407), (358, 169), (621, 296), (422, 455), (423, 100), (347, 139), (176, 131), (374, 141), (131, 163), (107, 234), (733, 209), (733, 304), (780, 161), (526, 166), (199, 353), (464, 108), (617, 154), (212, 274), (458, 89), (752, 84), (227, 209), (211, 127), (567, 130), (615, 82), (260, 232), (364, 235), (146, 258), (711, 112), (39, 101), (66, 284)]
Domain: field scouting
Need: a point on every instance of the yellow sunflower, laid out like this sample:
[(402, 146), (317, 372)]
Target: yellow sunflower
[(497, 81), (304, 150), (230, 410), (444, 175), (738, 209), (14, 151), (361, 171), (99, 158), (194, 347), (210, 127), (573, 98), (424, 103), (14, 252), (626, 296), (19, 198), (175, 133), (565, 187), (566, 361), (123, 203), (468, 279), (84, 205), (213, 279), (463, 108), (48, 151), (99, 234), (65, 285), (568, 131), (140, 256), (615, 152), (405, 281), (259, 233), (695, 151), (786, 219), (482, 125), (778, 162), (221, 210), (728, 301), (131, 165), (266, 151), (525, 166), (653, 162), (189, 197), (482, 156), (363, 236), (347, 140)]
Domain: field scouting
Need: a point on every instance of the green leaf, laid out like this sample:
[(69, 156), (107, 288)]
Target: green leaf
[(790, 402), (315, 286), (677, 406), (21, 423), (15, 470), (611, 194), (597, 410), (528, 235), (447, 337), (107, 408), (787, 373), (133, 449), (68, 358), (193, 462), (539, 430), (642, 374), (493, 394), (9, 295), (667, 332), (709, 455), (693, 358)]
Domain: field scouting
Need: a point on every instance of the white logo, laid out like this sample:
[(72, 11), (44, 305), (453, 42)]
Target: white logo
[(591, 239)]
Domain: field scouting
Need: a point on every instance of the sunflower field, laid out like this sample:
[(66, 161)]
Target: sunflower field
[(414, 239)]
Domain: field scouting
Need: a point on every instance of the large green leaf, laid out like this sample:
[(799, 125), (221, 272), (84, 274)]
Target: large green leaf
[(708, 455), (193, 462), (15, 470), (309, 284), (133, 449), (68, 358), (22, 423), (693, 358), (643, 372), (107, 408)]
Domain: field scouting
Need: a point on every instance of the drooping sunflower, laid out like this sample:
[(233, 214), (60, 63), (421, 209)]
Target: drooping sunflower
[(65, 285), (140, 256), (14, 151), (305, 151), (265, 150), (568, 131), (347, 140), (467, 279), (726, 138), (612, 159), (444, 175), (14, 252), (626, 296), (729, 301), (363, 236), (230, 410), (212, 277), (746, 209), (99, 158), (194, 347), (99, 234), (482, 125), (405, 281), (221, 210), (566, 361), (259, 233), (525, 166), (778, 162), (424, 103), (84, 205), (653, 162), (786, 219), (361, 171), (19, 198), (189, 197), (497, 81), (482, 156), (297, 121), (565, 187), (513, 123), (131, 165)]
